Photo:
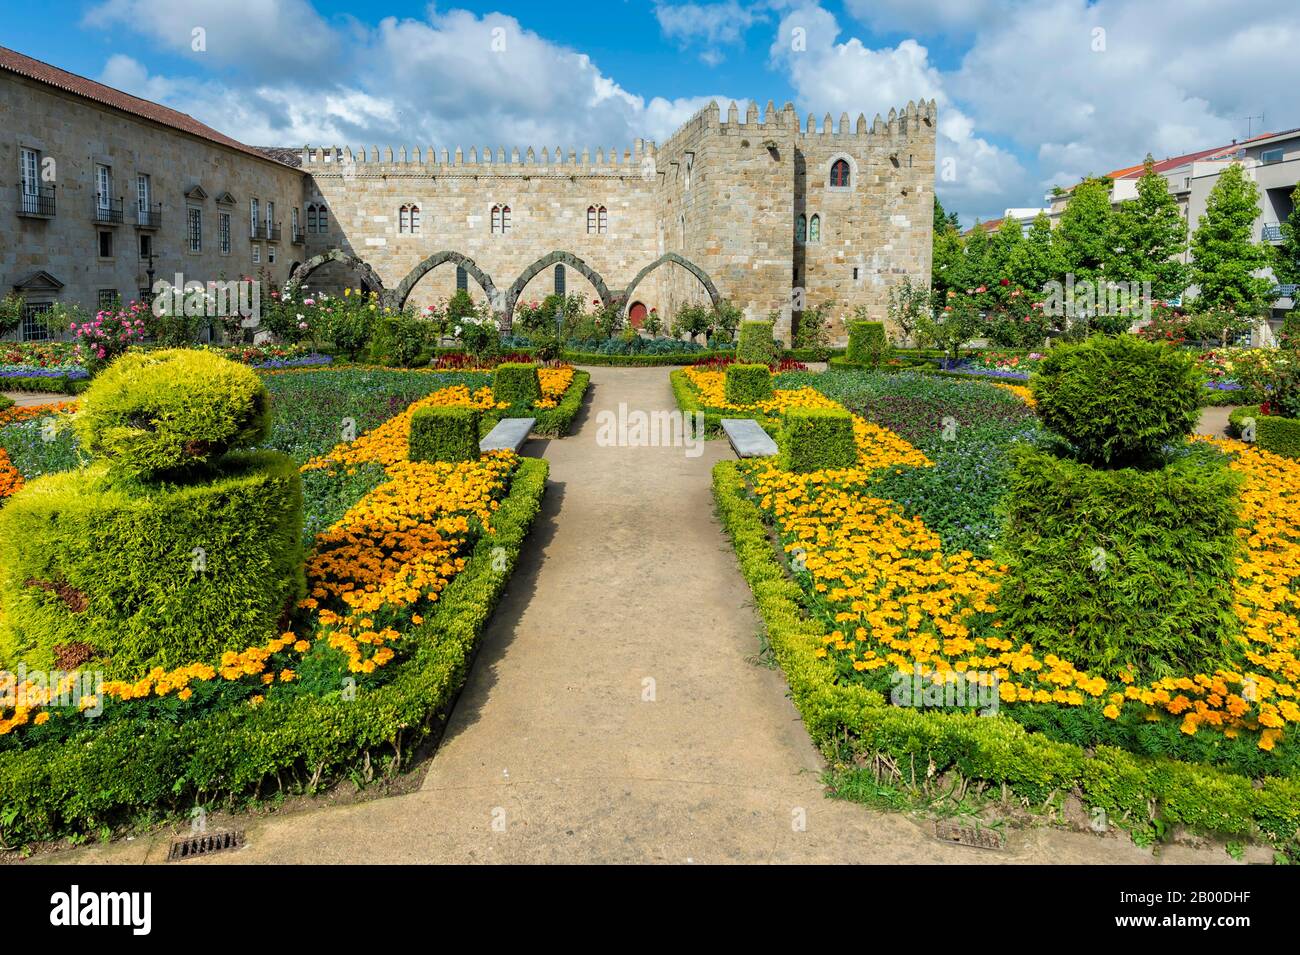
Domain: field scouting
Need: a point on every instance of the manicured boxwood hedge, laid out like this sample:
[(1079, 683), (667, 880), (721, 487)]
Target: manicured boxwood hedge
[(443, 433), (135, 767), (748, 384), (816, 438), (755, 342), (1272, 432), (59, 386), (516, 383), (556, 422), (868, 343), (688, 403), (854, 725)]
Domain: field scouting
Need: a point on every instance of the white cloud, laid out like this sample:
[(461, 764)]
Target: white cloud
[(926, 17)]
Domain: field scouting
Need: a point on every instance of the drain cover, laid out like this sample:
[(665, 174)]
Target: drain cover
[(204, 844)]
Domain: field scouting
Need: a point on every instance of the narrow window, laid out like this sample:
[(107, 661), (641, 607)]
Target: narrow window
[(840, 173), (815, 229), (591, 220), (496, 219), (225, 233), (602, 220), (322, 220), (257, 253), (195, 230), (103, 187), (801, 228), (462, 279), (505, 218), (142, 196), (146, 245), (415, 220), (252, 218), (403, 220), (559, 280), (106, 245)]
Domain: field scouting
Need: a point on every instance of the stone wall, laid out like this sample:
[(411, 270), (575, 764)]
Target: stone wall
[(77, 133)]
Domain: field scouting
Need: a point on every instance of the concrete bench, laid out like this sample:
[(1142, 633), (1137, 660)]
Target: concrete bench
[(747, 439), (508, 435)]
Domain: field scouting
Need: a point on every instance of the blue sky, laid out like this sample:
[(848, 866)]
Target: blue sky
[(1031, 93)]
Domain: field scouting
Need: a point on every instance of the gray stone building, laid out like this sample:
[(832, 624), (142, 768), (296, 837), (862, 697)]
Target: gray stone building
[(769, 212)]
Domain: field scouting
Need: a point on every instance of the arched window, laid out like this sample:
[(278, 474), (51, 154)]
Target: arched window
[(801, 228), (311, 217), (500, 219), (559, 280), (840, 173), (404, 220), (591, 220), (602, 220), (317, 218), (815, 229)]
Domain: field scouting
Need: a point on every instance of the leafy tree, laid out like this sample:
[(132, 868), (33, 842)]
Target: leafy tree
[(1085, 231), (11, 312), (943, 220), (1224, 253), (1150, 235), (1286, 257), (908, 303), (1004, 248), (977, 260), (947, 268), (1038, 260)]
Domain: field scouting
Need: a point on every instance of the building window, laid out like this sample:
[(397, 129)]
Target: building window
[(501, 219), (1271, 155), (30, 161), (311, 218), (801, 228), (257, 253), (146, 245), (107, 298), (462, 279), (597, 220), (224, 238), (855, 273), (296, 223), (35, 327), (105, 245), (142, 192), (270, 254), (194, 220), (270, 218), (559, 280), (103, 187), (415, 220), (815, 229), (317, 218), (408, 220), (840, 173), (252, 218)]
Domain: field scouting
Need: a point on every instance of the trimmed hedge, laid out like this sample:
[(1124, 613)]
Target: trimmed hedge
[(516, 383), (556, 422), (868, 344), (1279, 435), (58, 386), (158, 412), (157, 575), (444, 433), (814, 439), (748, 384), (134, 767), (853, 725), (1122, 569), (756, 345), (6, 403)]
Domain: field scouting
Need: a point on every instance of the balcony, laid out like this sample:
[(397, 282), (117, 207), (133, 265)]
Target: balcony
[(1284, 291), (149, 218), (107, 211), (38, 204), (298, 238), (1271, 233), (257, 231), (273, 233)]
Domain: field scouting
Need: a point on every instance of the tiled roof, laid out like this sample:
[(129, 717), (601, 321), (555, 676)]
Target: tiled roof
[(15, 62)]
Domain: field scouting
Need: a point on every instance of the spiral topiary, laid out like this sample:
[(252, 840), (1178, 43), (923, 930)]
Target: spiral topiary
[(1118, 401), (151, 414)]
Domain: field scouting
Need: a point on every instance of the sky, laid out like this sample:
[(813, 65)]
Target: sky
[(1031, 93)]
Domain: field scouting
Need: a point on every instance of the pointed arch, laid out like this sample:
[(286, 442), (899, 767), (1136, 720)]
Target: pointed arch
[(545, 262), (685, 263), (299, 274), (404, 288)]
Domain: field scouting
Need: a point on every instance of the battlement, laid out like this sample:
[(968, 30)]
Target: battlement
[(911, 120), (344, 161)]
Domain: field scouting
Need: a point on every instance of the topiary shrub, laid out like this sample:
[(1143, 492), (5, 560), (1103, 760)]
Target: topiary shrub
[(1122, 569), (155, 414), (149, 576), (748, 384), (1118, 401), (868, 345), (516, 384), (814, 439), (444, 434), (756, 344), (1279, 435)]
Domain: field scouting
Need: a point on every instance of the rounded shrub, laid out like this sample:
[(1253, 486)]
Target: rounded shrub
[(756, 345), (1118, 401), (151, 414)]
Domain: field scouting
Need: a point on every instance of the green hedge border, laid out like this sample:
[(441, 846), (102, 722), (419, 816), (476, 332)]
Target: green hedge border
[(688, 403), (556, 422), (850, 723), (128, 769), (1274, 433), (53, 386)]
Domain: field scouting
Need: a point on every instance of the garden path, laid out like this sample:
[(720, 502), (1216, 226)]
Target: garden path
[(554, 753)]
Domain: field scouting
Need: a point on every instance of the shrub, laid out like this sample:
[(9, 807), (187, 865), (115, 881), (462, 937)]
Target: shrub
[(867, 343), (5, 403), (756, 343), (814, 439), (1279, 435), (157, 413), (1118, 401), (158, 576), (517, 384), (400, 340), (444, 434), (1121, 569), (748, 384)]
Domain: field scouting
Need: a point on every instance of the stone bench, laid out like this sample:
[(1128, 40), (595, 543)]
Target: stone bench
[(508, 435), (747, 439)]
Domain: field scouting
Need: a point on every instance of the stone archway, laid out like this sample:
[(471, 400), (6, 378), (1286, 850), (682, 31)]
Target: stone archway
[(685, 263), (567, 259), (299, 274), (403, 291)]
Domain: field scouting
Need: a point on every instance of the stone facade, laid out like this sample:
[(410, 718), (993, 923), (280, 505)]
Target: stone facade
[(725, 209), (57, 257)]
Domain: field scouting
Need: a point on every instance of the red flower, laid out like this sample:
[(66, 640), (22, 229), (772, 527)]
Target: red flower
[(1005, 282)]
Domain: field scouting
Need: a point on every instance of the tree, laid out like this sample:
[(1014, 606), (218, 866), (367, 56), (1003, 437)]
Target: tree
[(1150, 236), (1225, 256), (943, 220), (908, 303), (976, 260), (1286, 257), (1004, 248), (1038, 259), (1085, 230), (946, 270)]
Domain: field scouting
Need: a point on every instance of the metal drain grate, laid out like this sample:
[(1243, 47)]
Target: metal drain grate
[(204, 844)]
